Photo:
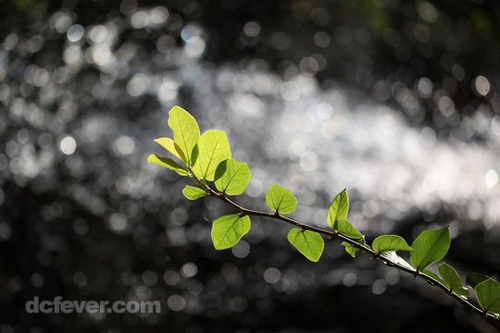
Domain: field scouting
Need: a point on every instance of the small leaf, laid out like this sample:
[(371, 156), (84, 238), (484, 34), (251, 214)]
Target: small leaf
[(170, 145), (430, 246), (167, 163), (280, 199), (452, 279), (309, 243), (353, 251), (347, 229), (186, 131), (213, 148), (232, 177), (227, 230), (488, 295), (339, 208), (390, 243), (474, 279), (434, 276), (193, 192)]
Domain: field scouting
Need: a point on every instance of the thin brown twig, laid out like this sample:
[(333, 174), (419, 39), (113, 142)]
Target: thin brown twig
[(332, 234)]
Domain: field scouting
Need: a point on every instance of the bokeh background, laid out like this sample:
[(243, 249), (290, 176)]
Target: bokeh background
[(395, 100)]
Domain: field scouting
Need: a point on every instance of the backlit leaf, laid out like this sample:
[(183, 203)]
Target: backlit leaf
[(307, 242), (339, 208), (169, 145), (227, 230), (488, 295), (167, 163), (193, 193), (430, 246), (186, 131), (232, 177), (280, 199), (452, 279), (213, 148), (390, 243), (346, 228), (352, 250), (433, 275)]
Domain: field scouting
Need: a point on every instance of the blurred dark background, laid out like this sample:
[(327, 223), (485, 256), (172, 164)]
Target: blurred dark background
[(394, 99)]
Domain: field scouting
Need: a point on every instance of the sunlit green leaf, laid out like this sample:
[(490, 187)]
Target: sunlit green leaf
[(346, 228), (280, 199), (433, 275), (232, 177), (488, 295), (352, 250), (169, 145), (193, 193), (186, 131), (167, 163), (430, 246), (452, 279), (213, 148), (390, 243), (309, 243), (227, 230), (339, 208)]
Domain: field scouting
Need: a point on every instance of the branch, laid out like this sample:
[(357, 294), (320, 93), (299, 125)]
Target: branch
[(333, 234)]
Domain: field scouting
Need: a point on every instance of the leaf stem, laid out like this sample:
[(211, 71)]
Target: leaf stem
[(330, 234)]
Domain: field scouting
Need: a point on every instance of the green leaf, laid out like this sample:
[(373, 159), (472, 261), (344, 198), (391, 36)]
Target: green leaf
[(452, 279), (353, 251), (309, 243), (173, 148), (488, 295), (390, 243), (167, 163), (280, 199), (430, 246), (227, 230), (474, 279), (433, 275), (193, 192), (347, 229), (338, 209), (213, 148), (232, 177), (186, 131)]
